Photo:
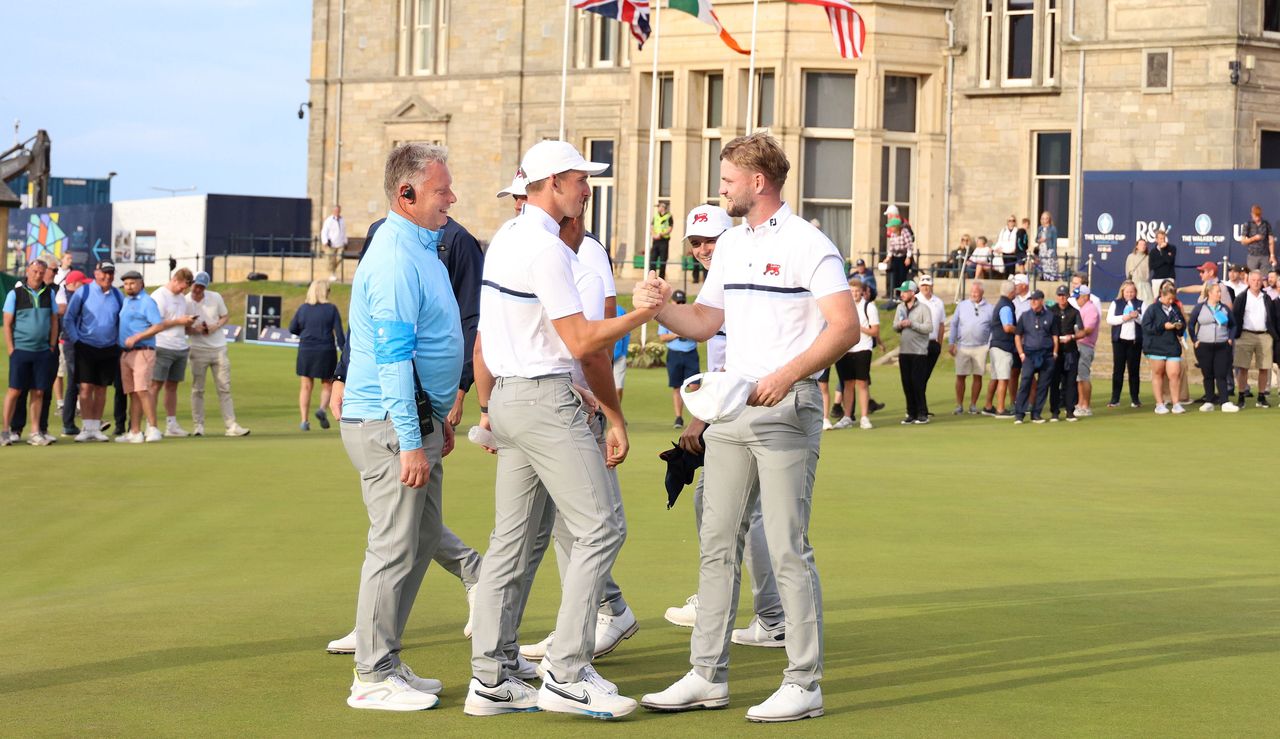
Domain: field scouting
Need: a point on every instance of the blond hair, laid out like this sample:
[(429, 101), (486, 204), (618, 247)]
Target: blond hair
[(761, 153), (318, 292), (182, 274)]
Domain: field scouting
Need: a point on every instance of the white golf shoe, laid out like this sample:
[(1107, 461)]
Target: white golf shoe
[(510, 696), (685, 615), (788, 703), (421, 684), (756, 635), (611, 630), (344, 645), (689, 693), (591, 696), (392, 694), (537, 651)]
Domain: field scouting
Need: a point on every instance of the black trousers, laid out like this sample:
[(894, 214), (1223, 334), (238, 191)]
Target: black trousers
[(1037, 367), (1126, 356), (658, 256), (914, 369), (1062, 396), (935, 351), (897, 274), (1215, 363)]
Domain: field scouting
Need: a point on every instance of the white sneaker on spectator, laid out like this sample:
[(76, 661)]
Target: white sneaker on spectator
[(153, 434), (611, 630), (864, 423), (689, 693), (973, 409), (175, 430), (38, 439), (826, 424), (590, 696), (197, 430), (685, 615), (421, 684), (510, 696), (236, 429), (471, 611), (844, 423), (1229, 407), (1177, 408), (1206, 408), (84, 435), (392, 694), (537, 651), (5, 438), (344, 645), (97, 435), (756, 635), (788, 703), (130, 437), (1161, 409)]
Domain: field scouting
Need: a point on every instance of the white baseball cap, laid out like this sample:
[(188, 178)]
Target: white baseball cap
[(926, 280), (1020, 279), (546, 158), (716, 397), (892, 210), (516, 188), (707, 221)]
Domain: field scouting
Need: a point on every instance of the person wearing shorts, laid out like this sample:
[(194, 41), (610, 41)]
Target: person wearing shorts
[(172, 346), (92, 323), (854, 368), (682, 361), (1255, 314), (970, 334), (1002, 352), (31, 336), (140, 321)]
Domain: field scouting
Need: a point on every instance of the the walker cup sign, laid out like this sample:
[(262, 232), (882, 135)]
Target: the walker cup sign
[(1202, 212)]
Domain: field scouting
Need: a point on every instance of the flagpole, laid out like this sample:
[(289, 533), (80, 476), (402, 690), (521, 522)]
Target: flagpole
[(751, 69), (564, 62), (653, 148)]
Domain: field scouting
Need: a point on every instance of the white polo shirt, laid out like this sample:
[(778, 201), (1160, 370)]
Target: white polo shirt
[(592, 253), (716, 351), (768, 281), (527, 283), (1255, 312), (172, 306), (939, 310), (868, 316), (210, 311), (591, 290)]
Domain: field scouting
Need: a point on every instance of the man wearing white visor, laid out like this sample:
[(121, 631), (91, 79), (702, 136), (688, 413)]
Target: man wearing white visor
[(778, 287), (532, 328), (703, 229)]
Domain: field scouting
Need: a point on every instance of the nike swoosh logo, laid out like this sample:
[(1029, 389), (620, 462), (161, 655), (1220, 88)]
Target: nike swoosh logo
[(584, 699), (505, 697)]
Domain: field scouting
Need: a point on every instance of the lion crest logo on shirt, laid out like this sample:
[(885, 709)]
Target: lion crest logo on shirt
[(772, 270)]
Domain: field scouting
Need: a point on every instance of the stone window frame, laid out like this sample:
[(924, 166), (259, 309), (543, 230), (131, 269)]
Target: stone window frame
[(712, 136), (843, 241), (1262, 22), (992, 33), (1062, 221), (1147, 87), (409, 38), (587, 31), (663, 134)]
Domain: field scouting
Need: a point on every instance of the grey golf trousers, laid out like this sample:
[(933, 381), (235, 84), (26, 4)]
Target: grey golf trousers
[(457, 558), (553, 525), (769, 454), (755, 557), (546, 451), (404, 531)]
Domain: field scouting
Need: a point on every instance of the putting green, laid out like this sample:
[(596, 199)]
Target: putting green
[(1117, 576)]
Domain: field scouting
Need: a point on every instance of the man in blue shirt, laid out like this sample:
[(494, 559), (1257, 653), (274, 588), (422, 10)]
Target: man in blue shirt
[(682, 361), (92, 324), (140, 321), (31, 336), (406, 340)]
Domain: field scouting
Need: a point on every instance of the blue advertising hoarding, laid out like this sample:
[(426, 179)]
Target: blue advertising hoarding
[(1202, 212), (82, 230)]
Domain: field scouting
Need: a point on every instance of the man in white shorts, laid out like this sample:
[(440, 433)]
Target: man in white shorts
[(970, 335)]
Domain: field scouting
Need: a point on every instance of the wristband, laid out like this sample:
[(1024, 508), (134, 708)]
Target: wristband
[(484, 409)]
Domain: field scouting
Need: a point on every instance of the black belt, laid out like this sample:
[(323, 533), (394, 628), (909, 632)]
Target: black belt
[(138, 349), (1247, 331)]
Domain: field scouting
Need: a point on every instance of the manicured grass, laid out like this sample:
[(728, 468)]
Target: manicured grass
[(1117, 576)]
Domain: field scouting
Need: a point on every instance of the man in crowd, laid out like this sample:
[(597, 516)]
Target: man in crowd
[(333, 234), (1162, 261), (662, 223), (140, 322), (532, 328), (867, 278), (1003, 352), (71, 393), (914, 320), (682, 361), (19, 421), (938, 309), (1090, 308), (1069, 330), (405, 361), (1037, 342), (900, 252), (172, 347), (93, 327), (31, 338), (970, 336), (779, 347), (1256, 315), (1259, 241), (209, 354)]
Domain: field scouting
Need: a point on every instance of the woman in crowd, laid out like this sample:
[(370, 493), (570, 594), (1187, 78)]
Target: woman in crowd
[(1138, 271), (1047, 246), (318, 326), (1211, 326), (1161, 261), (1162, 326), (1005, 251), (1125, 319), (981, 259), (854, 368)]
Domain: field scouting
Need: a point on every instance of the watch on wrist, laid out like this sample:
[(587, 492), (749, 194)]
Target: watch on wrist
[(484, 409)]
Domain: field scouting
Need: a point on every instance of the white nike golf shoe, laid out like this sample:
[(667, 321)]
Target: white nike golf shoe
[(510, 696), (589, 696), (421, 684)]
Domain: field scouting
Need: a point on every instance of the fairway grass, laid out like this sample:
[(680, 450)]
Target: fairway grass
[(1119, 576)]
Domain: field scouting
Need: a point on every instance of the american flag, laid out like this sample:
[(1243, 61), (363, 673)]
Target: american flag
[(847, 28), (634, 13)]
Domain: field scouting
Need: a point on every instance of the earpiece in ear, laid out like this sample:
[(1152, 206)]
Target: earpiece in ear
[(409, 194)]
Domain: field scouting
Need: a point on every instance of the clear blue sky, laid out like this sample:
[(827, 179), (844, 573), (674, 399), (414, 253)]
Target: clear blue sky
[(167, 93)]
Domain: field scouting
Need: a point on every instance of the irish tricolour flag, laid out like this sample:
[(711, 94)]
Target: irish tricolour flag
[(701, 9)]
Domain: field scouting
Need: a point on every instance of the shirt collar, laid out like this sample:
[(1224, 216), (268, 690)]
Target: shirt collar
[(541, 218), (427, 238), (774, 223)]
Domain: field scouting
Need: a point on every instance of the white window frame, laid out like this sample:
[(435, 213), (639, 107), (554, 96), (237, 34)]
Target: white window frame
[(412, 27), (1006, 35), (987, 40), (994, 44), (711, 136), (1036, 177), (587, 33), (893, 144), (842, 134), (1049, 61), (757, 101), (1262, 20), (664, 137), (609, 182), (1147, 87)]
